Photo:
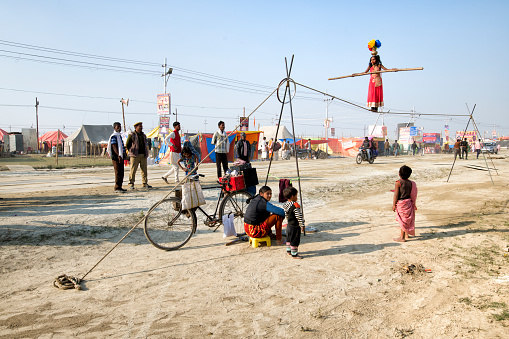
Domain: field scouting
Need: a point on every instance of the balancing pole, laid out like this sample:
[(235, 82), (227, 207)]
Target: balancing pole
[(378, 72)]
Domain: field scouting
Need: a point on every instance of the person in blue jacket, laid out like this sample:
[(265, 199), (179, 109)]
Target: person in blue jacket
[(261, 215)]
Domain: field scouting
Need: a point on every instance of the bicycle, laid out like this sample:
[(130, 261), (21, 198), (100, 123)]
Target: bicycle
[(168, 227)]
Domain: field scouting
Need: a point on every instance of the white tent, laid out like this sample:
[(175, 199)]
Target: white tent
[(270, 132), (80, 142)]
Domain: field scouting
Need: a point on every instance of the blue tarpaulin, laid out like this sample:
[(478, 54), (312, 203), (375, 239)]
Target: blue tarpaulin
[(210, 146)]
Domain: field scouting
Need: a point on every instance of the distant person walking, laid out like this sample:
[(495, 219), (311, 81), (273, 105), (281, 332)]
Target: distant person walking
[(414, 148), (308, 148), (396, 147), (264, 147), (220, 140), (464, 148), (477, 146), (243, 148), (116, 151), (138, 151), (173, 140), (387, 147), (271, 147), (286, 150), (457, 149)]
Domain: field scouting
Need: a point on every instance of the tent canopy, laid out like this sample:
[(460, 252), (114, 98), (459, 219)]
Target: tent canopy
[(270, 132), (2, 133), (95, 134), (52, 137), (154, 133)]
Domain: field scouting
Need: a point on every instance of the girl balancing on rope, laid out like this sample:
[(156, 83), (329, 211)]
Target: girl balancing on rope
[(375, 89)]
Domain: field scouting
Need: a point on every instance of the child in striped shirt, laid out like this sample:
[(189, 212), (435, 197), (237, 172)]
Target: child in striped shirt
[(295, 222)]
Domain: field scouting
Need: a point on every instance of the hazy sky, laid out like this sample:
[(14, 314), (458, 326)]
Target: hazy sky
[(228, 55)]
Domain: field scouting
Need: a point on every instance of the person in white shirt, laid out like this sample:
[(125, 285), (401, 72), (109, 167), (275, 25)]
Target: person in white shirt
[(264, 148), (220, 140)]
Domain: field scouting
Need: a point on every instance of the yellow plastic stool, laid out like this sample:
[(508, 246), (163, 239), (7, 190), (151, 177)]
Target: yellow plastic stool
[(255, 242)]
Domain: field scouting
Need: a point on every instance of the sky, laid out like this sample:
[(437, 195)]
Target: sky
[(230, 55)]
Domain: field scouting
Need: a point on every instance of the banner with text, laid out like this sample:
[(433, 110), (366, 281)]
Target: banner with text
[(163, 104)]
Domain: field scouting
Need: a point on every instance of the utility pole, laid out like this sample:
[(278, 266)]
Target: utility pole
[(126, 102), (327, 101), (166, 75), (37, 120), (58, 139)]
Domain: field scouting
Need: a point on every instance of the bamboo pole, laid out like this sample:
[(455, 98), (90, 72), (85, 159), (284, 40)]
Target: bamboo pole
[(378, 72)]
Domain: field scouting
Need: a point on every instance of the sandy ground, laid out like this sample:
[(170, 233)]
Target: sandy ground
[(350, 283)]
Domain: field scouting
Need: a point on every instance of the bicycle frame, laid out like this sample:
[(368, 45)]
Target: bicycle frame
[(212, 219)]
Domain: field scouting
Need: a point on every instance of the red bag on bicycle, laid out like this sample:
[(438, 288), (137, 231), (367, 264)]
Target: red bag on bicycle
[(233, 183)]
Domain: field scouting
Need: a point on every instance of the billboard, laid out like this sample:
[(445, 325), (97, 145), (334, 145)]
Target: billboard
[(244, 124), (413, 131), (163, 104), (332, 131), (470, 135), (431, 138), (377, 131), (164, 124), (404, 135)]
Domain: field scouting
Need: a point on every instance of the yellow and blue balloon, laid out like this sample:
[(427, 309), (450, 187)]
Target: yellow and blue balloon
[(374, 43)]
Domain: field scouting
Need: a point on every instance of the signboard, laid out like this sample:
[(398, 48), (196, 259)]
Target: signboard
[(164, 124), (413, 131), (470, 135), (244, 124), (404, 135), (163, 104), (431, 138), (494, 135), (332, 131), (446, 132), (377, 131)]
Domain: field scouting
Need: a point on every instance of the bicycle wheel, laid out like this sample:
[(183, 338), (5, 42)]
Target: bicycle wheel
[(235, 203), (167, 227)]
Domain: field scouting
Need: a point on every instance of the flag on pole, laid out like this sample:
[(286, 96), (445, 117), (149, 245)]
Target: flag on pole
[(254, 122)]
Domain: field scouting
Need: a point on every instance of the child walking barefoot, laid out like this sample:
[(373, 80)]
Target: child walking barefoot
[(405, 196), (295, 222)]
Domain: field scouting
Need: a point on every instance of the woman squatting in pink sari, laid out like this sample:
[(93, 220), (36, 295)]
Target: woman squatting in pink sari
[(404, 203)]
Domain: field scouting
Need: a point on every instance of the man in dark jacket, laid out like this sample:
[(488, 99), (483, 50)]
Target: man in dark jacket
[(464, 149), (366, 145), (261, 215), (138, 151), (116, 151), (243, 148)]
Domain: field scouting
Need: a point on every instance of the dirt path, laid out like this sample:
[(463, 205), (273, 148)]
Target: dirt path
[(351, 283)]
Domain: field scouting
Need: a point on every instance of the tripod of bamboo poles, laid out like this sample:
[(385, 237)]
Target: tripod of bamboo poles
[(287, 88), (471, 118), (286, 82)]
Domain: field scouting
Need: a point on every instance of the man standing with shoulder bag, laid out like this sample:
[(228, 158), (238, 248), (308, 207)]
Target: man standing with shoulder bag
[(116, 151)]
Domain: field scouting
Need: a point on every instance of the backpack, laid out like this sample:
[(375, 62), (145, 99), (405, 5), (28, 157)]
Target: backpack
[(276, 146)]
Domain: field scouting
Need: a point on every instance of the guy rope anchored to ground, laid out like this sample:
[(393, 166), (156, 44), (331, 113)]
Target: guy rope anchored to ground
[(67, 282)]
